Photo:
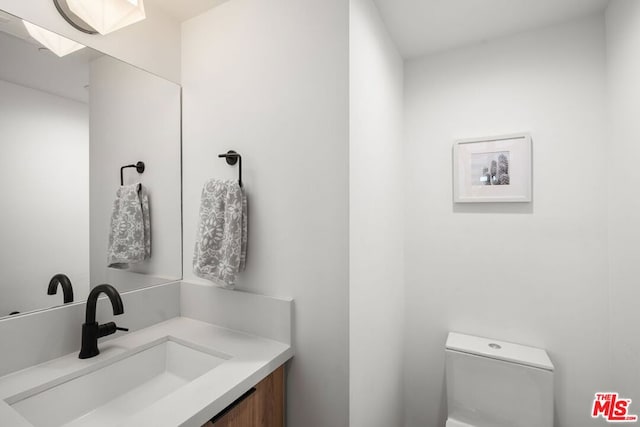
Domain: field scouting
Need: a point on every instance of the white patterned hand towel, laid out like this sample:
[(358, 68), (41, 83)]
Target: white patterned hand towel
[(130, 232), (221, 243)]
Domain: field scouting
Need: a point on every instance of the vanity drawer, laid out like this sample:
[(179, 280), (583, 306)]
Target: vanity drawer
[(262, 406)]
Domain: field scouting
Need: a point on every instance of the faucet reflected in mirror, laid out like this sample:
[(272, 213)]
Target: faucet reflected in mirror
[(91, 330), (65, 284)]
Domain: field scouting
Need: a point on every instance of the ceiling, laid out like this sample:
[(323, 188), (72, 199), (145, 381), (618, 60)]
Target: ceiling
[(421, 27), (180, 11)]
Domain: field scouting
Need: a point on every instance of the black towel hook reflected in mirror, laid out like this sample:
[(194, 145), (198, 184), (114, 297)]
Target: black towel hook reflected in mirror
[(233, 158), (139, 167)]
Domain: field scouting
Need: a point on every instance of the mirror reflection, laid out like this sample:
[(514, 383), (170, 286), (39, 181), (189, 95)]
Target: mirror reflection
[(70, 119)]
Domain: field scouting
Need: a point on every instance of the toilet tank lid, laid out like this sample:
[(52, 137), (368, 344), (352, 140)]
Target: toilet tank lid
[(510, 352)]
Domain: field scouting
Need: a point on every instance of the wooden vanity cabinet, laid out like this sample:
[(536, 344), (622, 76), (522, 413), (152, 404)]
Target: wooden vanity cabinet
[(262, 406)]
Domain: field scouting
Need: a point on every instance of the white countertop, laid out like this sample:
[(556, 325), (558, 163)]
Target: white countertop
[(252, 359)]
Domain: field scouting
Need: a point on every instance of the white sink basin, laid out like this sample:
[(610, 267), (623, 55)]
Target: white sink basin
[(107, 393)]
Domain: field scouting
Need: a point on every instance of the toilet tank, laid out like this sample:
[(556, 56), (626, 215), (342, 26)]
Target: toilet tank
[(492, 383)]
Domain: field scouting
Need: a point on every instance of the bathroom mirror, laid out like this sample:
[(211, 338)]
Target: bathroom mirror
[(68, 124)]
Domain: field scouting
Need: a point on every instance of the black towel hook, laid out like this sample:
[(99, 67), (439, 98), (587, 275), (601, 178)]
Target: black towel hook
[(232, 158), (139, 167)]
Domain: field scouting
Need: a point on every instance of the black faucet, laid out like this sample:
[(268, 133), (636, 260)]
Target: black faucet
[(65, 283), (91, 331)]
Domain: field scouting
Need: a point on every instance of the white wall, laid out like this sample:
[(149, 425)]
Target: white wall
[(376, 222), (135, 116), (44, 173), (530, 273), (270, 80), (623, 78), (152, 44)]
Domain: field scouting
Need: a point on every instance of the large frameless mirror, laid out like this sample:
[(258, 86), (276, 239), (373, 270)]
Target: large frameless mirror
[(70, 119)]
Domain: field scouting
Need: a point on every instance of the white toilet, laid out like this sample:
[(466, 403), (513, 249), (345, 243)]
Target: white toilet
[(497, 384)]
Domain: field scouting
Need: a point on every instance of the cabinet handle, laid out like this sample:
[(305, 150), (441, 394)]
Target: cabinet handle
[(235, 403)]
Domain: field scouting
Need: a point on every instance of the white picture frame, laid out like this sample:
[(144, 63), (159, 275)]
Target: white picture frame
[(492, 169)]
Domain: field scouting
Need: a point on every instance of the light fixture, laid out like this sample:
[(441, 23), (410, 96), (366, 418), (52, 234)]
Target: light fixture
[(57, 44), (106, 16)]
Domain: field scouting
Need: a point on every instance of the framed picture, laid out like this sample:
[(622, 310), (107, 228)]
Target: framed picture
[(496, 169)]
